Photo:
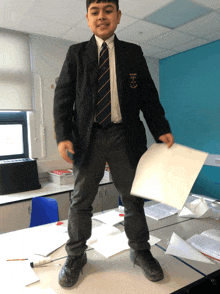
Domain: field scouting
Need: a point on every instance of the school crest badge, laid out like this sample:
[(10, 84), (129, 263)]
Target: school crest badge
[(133, 80)]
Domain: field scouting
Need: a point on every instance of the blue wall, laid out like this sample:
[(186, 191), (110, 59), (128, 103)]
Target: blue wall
[(190, 95)]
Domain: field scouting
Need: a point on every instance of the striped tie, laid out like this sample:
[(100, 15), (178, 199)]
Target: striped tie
[(103, 116)]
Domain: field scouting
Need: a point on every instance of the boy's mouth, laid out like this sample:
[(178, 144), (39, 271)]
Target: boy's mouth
[(103, 25)]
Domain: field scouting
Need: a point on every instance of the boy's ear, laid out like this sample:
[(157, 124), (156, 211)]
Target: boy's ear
[(119, 16), (87, 19)]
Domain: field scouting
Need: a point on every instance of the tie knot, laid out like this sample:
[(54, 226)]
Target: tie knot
[(104, 45)]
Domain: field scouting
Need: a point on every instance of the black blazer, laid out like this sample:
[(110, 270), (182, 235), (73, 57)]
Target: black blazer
[(76, 94)]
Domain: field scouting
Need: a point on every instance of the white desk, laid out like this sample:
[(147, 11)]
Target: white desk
[(117, 274)]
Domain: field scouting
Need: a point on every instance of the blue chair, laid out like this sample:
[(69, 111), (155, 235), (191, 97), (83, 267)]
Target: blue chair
[(44, 211)]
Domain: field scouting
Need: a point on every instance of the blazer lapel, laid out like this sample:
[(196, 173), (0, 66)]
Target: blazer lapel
[(91, 56)]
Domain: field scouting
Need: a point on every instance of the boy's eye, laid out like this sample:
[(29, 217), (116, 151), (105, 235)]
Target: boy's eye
[(108, 11)]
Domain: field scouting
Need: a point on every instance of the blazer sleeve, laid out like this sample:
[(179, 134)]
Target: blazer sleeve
[(150, 104), (64, 98)]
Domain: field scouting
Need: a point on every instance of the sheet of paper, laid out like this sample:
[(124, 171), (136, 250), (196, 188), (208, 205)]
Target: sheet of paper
[(167, 174), (111, 245), (206, 245), (183, 249), (213, 234), (196, 209), (102, 231), (50, 240), (111, 217), (215, 207), (40, 240), (16, 275), (160, 211)]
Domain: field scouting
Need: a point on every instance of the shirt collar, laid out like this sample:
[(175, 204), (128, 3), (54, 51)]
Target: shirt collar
[(109, 42)]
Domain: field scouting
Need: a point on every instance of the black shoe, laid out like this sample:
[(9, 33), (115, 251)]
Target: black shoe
[(149, 265), (69, 273)]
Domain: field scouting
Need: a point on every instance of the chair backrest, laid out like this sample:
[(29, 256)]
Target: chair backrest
[(44, 211)]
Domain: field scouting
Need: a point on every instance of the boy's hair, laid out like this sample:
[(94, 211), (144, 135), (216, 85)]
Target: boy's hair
[(88, 2)]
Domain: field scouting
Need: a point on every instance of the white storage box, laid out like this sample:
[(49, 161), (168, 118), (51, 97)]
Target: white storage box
[(62, 179)]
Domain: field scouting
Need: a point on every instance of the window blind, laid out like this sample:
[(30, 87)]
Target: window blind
[(15, 71)]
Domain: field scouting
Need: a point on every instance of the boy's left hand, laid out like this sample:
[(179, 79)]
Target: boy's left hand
[(167, 139)]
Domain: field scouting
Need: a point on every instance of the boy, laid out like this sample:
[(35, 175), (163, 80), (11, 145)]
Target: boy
[(98, 98)]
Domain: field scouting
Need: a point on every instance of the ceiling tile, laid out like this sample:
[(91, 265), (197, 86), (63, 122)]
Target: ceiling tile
[(65, 12), (82, 24), (171, 40), (149, 50), (44, 27), (190, 45), (177, 13), (125, 22), (10, 19), (77, 35), (213, 37), (164, 54), (214, 4), (140, 8), (203, 26), (141, 31), (18, 6)]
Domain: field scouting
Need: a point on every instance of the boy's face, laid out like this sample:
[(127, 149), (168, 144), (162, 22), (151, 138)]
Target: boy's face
[(103, 19)]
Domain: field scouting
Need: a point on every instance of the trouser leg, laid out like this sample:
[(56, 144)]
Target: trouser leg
[(87, 179), (123, 174)]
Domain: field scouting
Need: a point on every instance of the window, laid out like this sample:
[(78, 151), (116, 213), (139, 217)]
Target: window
[(14, 135), (15, 72)]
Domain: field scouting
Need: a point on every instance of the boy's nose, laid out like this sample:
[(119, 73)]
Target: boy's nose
[(101, 15)]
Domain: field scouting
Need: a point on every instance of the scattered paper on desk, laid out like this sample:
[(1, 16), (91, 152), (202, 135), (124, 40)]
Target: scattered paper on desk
[(15, 275), (196, 209), (167, 174), (215, 207), (41, 240), (208, 243), (50, 239), (111, 217), (102, 231), (181, 248), (160, 211), (111, 245)]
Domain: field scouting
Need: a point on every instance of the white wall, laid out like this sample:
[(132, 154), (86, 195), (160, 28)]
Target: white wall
[(48, 55)]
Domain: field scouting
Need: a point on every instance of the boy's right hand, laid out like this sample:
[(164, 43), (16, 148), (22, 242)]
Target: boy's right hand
[(65, 146)]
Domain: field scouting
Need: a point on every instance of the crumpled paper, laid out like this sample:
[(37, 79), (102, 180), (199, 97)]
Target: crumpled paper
[(196, 209), (181, 248)]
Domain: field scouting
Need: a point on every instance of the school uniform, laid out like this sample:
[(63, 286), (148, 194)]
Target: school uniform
[(121, 143)]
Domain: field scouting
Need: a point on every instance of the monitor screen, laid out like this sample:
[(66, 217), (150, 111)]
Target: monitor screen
[(11, 139)]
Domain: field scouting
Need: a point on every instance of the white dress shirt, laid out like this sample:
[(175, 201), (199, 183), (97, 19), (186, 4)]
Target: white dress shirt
[(115, 107)]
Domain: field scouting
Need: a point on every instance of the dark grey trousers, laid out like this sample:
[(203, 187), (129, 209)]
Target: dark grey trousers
[(107, 145)]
